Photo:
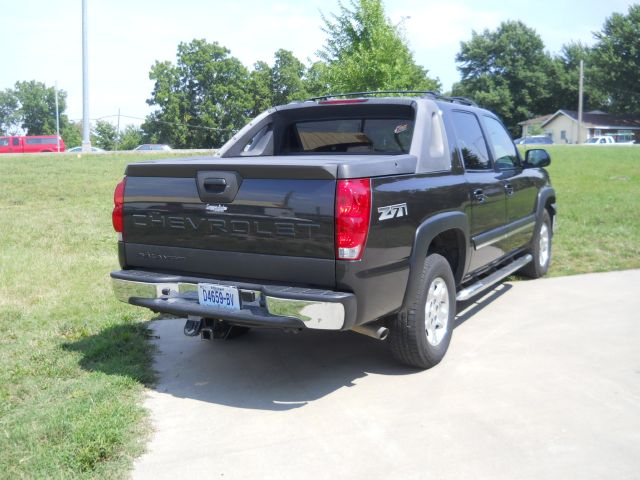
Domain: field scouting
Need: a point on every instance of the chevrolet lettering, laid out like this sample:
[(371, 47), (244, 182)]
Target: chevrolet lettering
[(224, 226)]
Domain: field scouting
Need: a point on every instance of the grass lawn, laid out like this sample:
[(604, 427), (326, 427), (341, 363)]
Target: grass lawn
[(598, 190), (74, 361)]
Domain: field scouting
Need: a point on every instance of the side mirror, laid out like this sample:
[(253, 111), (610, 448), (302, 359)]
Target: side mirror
[(537, 158)]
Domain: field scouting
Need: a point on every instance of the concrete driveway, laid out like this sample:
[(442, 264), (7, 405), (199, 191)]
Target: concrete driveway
[(542, 380)]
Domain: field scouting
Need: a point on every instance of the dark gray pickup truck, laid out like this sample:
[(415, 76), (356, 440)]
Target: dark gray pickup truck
[(348, 212)]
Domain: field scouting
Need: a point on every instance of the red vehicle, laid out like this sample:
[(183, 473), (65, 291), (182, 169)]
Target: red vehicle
[(30, 144)]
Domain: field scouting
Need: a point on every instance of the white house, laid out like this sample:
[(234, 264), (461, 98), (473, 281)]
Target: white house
[(562, 126)]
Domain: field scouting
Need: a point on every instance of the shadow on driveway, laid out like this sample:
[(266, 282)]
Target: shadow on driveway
[(263, 370)]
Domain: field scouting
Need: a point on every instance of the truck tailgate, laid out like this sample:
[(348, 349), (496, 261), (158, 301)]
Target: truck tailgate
[(232, 218)]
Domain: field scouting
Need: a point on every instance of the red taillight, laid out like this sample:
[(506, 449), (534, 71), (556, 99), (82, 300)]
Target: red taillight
[(353, 210), (118, 204)]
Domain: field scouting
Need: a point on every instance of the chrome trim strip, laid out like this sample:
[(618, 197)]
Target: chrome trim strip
[(492, 279), (315, 314), (504, 236), (125, 289)]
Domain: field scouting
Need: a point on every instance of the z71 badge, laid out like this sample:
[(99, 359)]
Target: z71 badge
[(393, 211)]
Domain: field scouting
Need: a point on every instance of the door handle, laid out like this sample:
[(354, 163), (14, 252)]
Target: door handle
[(509, 189), (479, 195)]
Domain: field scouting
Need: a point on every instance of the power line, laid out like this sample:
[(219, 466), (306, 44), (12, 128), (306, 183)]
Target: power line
[(188, 125)]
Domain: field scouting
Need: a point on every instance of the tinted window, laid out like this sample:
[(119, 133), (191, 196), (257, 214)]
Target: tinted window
[(471, 141), (16, 142), (41, 141), (354, 135), (4, 142), (503, 147)]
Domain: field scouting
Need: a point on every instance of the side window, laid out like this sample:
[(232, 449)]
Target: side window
[(4, 142), (471, 141), (505, 150), (16, 142)]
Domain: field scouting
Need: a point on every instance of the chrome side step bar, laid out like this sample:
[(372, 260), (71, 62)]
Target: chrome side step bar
[(495, 277)]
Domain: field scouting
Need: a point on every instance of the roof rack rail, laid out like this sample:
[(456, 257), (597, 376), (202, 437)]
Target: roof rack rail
[(424, 93), (462, 100)]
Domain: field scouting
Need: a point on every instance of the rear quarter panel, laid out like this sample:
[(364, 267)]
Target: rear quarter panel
[(380, 279)]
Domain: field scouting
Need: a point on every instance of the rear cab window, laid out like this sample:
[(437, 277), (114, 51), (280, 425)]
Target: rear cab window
[(354, 135), (373, 129)]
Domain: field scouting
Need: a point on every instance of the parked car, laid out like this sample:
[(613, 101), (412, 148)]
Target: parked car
[(369, 214), (152, 146), (31, 144), (606, 140), (534, 140), (79, 149)]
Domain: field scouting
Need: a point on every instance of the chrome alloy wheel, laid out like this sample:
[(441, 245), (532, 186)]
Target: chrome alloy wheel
[(543, 245), (436, 311)]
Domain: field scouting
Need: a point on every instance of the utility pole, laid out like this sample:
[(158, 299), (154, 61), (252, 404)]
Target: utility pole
[(86, 126), (118, 131), (580, 92), (57, 118)]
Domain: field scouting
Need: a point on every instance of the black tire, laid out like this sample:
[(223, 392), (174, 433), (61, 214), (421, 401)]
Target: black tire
[(539, 266), (408, 337)]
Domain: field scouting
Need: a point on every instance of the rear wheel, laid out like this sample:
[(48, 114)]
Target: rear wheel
[(540, 249), (420, 335)]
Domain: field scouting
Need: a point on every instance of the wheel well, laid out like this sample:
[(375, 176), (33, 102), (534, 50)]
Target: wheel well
[(548, 205), (450, 244)]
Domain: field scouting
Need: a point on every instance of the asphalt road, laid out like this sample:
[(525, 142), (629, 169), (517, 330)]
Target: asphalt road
[(542, 380)]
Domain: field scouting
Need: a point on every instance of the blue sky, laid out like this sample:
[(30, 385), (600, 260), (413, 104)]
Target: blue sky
[(42, 39)]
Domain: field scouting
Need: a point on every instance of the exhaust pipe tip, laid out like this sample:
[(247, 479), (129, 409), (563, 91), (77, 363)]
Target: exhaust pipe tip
[(383, 333), (377, 332)]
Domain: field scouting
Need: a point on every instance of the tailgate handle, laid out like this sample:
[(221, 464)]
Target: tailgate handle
[(215, 185), (219, 187)]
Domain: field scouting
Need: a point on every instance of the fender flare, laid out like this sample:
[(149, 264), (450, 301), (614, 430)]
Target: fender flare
[(425, 233), (543, 196)]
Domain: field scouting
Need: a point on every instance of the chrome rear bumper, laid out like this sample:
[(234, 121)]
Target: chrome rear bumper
[(261, 305)]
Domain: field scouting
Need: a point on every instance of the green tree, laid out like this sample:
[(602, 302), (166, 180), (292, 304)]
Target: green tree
[(564, 79), (8, 112), (71, 133), (201, 100), (106, 135), (287, 78), (507, 71), (278, 85), (365, 51), (316, 79), (30, 107), (617, 57), (260, 88), (38, 107), (130, 138)]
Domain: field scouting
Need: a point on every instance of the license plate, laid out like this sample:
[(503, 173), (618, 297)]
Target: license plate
[(219, 296)]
